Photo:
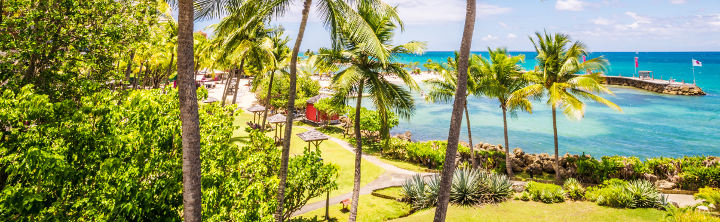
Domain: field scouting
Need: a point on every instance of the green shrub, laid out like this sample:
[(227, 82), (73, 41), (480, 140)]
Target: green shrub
[(430, 154), (710, 195), (621, 194), (466, 188), (469, 187), (687, 214), (545, 192), (694, 177), (573, 189), (662, 167)]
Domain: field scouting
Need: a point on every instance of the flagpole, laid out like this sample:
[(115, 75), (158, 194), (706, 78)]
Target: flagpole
[(693, 68)]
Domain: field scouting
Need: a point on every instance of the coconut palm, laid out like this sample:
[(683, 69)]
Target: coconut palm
[(556, 79), (365, 71), (499, 77), (456, 118), (192, 208), (280, 53), (443, 90)]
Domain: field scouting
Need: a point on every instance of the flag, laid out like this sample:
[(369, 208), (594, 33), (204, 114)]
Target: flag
[(696, 63), (636, 62), (583, 58)]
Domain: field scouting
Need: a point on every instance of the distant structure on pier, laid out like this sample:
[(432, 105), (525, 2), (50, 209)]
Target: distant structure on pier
[(647, 81)]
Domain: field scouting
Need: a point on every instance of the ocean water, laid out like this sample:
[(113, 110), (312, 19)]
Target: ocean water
[(650, 124)]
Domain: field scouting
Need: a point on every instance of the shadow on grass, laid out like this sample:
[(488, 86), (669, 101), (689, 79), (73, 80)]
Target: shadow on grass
[(314, 219)]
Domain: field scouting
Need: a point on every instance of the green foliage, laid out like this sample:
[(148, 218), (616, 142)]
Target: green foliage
[(573, 189), (544, 192), (694, 177), (328, 107), (469, 187), (622, 194), (113, 156), (305, 89), (370, 119), (687, 214), (69, 47), (709, 195)]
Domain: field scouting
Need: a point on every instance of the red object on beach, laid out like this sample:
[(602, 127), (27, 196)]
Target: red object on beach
[(345, 203), (583, 58), (636, 62)]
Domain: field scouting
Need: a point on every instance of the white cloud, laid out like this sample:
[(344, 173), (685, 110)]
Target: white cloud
[(503, 24), (490, 38), (511, 36), (601, 21), (569, 5), (678, 1)]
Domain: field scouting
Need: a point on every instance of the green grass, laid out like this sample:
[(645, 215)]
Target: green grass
[(524, 176), (534, 211), (371, 208), (407, 165), (331, 153), (393, 192)]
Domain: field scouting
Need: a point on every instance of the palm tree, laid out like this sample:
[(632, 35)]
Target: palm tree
[(366, 71), (280, 52), (556, 79), (499, 77), (456, 118), (444, 90), (192, 207)]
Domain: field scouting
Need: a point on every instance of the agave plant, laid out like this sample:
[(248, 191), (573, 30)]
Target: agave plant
[(644, 194), (497, 187), (573, 189), (466, 188), (413, 189)]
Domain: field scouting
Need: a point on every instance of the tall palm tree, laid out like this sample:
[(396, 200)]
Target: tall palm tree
[(556, 79), (366, 71), (192, 208), (499, 77), (456, 118), (443, 90), (280, 52)]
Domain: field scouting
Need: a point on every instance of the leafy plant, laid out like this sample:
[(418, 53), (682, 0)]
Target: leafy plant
[(709, 195), (687, 214), (466, 188), (622, 194), (544, 192), (573, 189)]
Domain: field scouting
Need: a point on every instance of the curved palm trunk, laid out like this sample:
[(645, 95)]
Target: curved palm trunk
[(472, 150), (237, 81), (358, 156), (267, 100), (192, 208), (290, 111), (555, 137), (227, 86), (456, 119), (128, 69), (508, 162)]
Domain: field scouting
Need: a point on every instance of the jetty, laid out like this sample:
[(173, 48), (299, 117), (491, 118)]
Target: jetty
[(647, 82)]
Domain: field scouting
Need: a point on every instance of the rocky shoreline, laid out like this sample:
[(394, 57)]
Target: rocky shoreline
[(658, 86)]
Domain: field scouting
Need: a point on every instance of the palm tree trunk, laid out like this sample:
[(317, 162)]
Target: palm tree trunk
[(555, 137), (227, 86), (456, 119), (508, 162), (358, 156), (290, 111), (472, 150), (192, 208), (237, 81), (145, 76), (267, 100), (129, 66), (137, 77)]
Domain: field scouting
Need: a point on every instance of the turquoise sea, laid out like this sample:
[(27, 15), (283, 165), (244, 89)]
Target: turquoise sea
[(650, 125)]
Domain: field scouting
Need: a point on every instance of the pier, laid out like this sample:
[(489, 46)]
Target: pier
[(649, 83)]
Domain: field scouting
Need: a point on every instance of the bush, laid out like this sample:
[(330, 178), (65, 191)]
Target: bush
[(430, 154), (545, 192), (469, 187), (694, 177), (709, 195), (573, 189), (621, 194), (687, 214)]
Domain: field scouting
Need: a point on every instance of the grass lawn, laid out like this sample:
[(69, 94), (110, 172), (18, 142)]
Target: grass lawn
[(393, 192), (371, 208), (331, 153), (534, 211)]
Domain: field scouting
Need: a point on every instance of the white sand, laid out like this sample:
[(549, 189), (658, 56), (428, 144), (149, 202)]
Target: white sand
[(245, 99)]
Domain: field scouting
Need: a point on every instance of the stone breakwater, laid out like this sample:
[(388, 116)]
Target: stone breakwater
[(656, 85)]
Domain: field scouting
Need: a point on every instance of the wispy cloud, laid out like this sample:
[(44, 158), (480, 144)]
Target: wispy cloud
[(511, 36), (678, 1), (489, 38), (569, 5), (601, 21)]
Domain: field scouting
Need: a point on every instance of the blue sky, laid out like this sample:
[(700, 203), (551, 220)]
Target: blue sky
[(604, 25)]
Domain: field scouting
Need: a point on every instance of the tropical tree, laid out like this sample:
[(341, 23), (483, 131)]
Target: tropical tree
[(443, 90), (280, 52), (192, 205), (456, 118), (556, 78), (499, 77), (366, 70)]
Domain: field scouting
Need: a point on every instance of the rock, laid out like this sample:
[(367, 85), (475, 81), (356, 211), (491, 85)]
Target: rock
[(650, 177), (547, 166), (518, 152), (517, 164), (675, 179), (665, 185), (534, 169), (407, 136), (465, 144), (703, 208), (518, 187)]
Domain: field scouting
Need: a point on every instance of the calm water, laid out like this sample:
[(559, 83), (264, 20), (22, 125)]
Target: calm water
[(650, 125)]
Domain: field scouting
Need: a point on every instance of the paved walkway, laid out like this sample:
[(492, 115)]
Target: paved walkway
[(393, 176)]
